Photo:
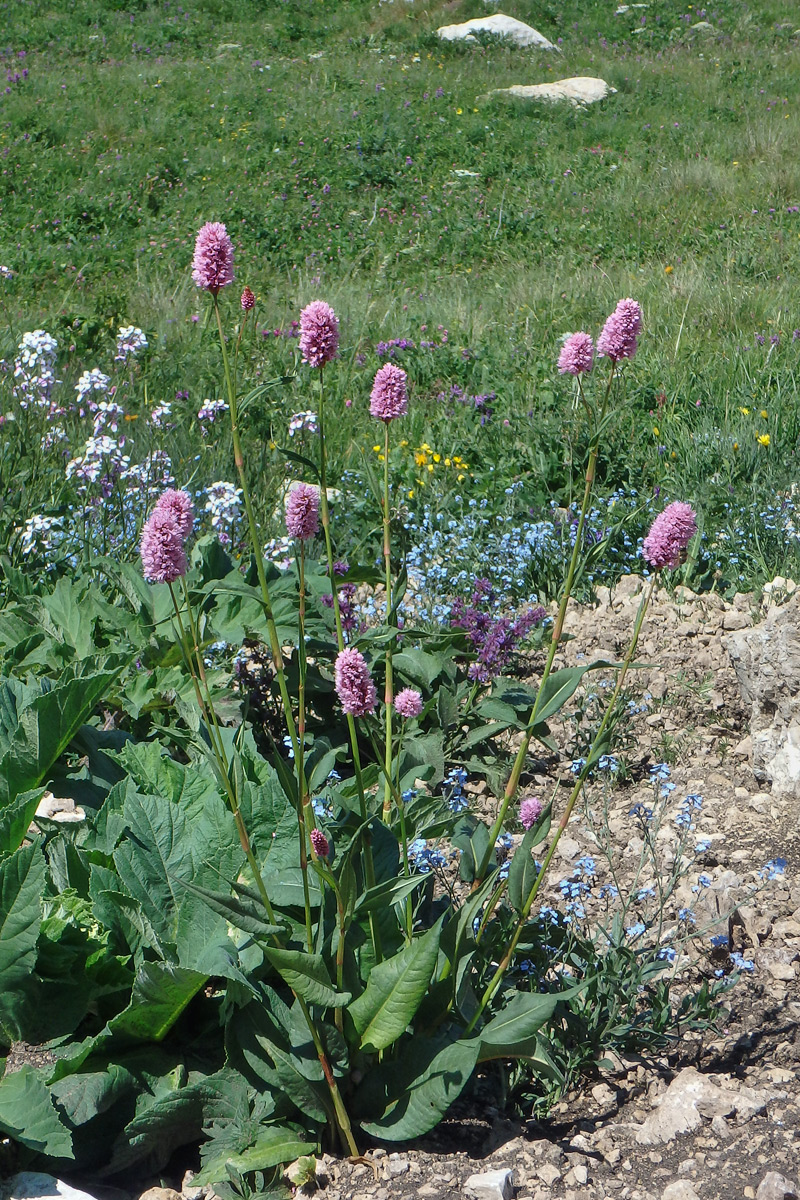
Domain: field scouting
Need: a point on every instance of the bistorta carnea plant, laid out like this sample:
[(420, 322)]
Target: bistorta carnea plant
[(394, 994)]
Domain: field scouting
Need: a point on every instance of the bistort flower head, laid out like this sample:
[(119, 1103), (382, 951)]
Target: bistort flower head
[(320, 843), (248, 299), (302, 511), (354, 685), (669, 536), (619, 334), (212, 265), (530, 810), (408, 703), (163, 555), (389, 397), (319, 333), (577, 355), (178, 506)]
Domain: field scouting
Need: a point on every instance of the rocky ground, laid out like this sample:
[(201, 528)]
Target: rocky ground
[(718, 1116)]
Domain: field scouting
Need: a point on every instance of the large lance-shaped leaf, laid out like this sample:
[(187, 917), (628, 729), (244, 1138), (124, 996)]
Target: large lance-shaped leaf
[(523, 870), (28, 1115), (562, 684), (21, 887), (307, 976), (243, 912), (394, 991), (512, 1032), (272, 1147), (45, 725), (423, 1086)]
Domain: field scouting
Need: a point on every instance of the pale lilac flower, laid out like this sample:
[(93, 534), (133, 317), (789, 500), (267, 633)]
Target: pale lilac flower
[(162, 550), (354, 685), (303, 421), (577, 355), (223, 502), (320, 843), (91, 382), (619, 334), (177, 505), (669, 536), (408, 703), (212, 265), (530, 810), (159, 417), (319, 333), (107, 416), (209, 412), (302, 511), (130, 340), (34, 368), (389, 397)]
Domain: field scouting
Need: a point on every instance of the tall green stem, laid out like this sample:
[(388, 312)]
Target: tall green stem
[(505, 962), (301, 734), (558, 630), (388, 695), (274, 640)]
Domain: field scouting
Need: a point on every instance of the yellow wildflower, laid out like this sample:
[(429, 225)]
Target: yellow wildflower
[(763, 414), (745, 412), (437, 458), (668, 270), (762, 439)]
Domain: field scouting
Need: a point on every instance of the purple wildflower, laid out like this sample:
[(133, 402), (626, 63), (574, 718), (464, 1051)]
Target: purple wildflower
[(389, 397), (319, 333), (408, 703), (619, 334), (530, 810), (577, 355), (177, 505), (670, 534), (163, 555), (320, 843), (212, 265), (302, 511), (354, 685), (493, 638)]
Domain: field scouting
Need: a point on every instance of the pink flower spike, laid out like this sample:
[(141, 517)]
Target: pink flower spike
[(618, 338), (302, 511), (354, 685), (320, 843), (212, 265), (669, 536), (319, 333), (177, 505), (530, 809), (248, 299), (577, 355), (163, 555), (389, 397), (408, 703)]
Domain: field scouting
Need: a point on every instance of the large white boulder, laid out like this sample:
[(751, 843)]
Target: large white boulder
[(501, 26), (579, 90)]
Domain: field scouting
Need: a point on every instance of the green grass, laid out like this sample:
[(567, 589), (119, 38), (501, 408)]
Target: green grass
[(314, 130)]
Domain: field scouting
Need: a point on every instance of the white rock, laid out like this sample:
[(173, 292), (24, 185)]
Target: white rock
[(692, 1096), (681, 1189), (776, 1187), (57, 808), (30, 1185), (491, 1185), (499, 25), (580, 89)]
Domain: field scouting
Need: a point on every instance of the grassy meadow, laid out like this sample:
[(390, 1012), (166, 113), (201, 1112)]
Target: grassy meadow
[(356, 158)]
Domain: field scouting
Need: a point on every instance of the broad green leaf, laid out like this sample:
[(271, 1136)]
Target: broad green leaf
[(272, 1147), (44, 725), (422, 1086), (388, 892), (242, 912), (418, 666), (394, 991), (70, 615), (160, 994), (471, 837), (512, 1032), (28, 1115), (21, 889), (307, 976), (522, 872), (15, 819)]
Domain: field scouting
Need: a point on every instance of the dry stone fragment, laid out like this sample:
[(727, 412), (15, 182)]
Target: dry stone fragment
[(577, 90), (491, 1185), (692, 1096), (776, 1187), (31, 1185)]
